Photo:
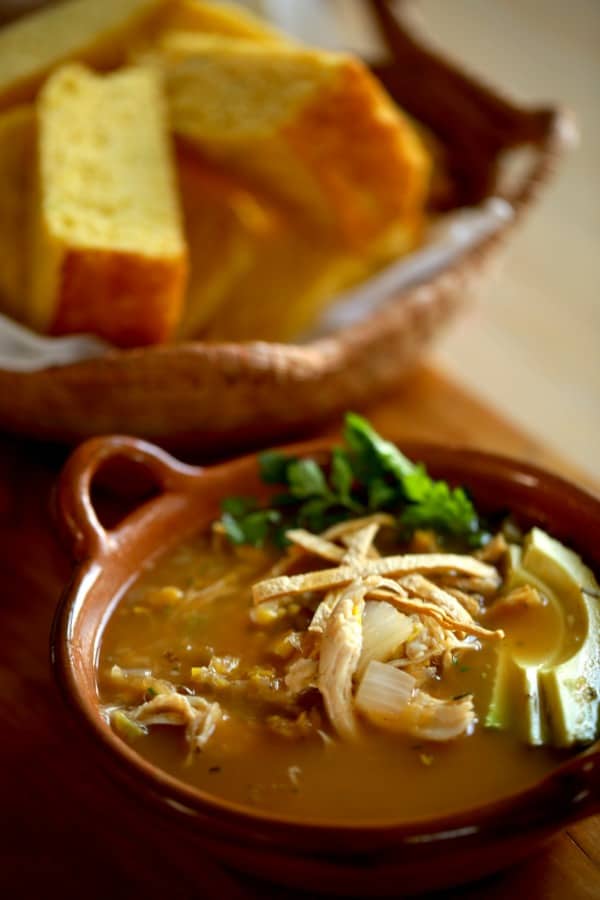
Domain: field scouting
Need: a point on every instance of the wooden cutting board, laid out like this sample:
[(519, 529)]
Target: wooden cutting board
[(67, 831)]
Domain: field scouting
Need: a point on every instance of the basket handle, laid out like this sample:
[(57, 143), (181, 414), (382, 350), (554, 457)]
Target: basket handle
[(475, 123), (78, 519)]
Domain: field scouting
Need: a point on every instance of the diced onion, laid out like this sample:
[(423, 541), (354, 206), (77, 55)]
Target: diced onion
[(385, 629), (389, 698), (384, 690)]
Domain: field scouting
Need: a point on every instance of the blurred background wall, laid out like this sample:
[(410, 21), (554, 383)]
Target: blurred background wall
[(532, 345)]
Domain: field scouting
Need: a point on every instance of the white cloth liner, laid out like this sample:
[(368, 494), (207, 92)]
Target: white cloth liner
[(447, 240), (21, 350)]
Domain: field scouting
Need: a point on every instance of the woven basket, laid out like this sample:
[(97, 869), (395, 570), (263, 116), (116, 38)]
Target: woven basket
[(208, 397)]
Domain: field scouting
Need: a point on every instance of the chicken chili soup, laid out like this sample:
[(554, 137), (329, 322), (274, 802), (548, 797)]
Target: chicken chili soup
[(368, 672)]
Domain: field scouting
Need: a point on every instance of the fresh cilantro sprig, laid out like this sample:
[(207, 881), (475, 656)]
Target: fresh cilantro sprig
[(365, 475), (245, 523), (423, 501)]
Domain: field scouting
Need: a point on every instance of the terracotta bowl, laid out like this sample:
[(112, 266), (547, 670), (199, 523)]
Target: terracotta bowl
[(339, 858)]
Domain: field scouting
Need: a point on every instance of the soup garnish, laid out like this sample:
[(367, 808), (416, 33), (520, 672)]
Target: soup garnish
[(367, 474), (372, 648)]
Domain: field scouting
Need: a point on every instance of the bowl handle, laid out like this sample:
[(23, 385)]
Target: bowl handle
[(86, 536)]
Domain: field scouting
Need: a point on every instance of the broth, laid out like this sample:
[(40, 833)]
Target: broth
[(193, 606)]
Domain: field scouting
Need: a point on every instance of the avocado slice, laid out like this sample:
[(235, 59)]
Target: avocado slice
[(555, 699)]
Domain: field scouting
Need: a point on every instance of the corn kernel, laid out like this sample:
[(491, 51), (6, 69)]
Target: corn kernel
[(165, 596), (224, 664), (282, 647), (264, 614)]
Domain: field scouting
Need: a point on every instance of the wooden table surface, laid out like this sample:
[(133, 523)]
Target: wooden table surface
[(64, 824)]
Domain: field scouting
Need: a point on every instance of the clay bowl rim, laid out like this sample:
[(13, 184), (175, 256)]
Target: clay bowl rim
[(93, 547)]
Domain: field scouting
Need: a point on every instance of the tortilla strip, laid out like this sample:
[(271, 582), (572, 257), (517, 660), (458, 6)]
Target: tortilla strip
[(330, 579), (340, 531), (358, 544), (351, 525), (293, 555), (315, 545)]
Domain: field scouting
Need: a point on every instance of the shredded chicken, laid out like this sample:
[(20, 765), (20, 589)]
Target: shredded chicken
[(469, 601), (435, 603), (201, 729), (338, 659), (418, 586), (394, 593), (428, 718), (469, 583), (323, 611), (391, 700), (195, 713), (301, 675), (359, 543), (440, 622)]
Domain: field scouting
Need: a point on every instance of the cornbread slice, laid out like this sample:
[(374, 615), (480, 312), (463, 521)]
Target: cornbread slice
[(97, 32), (108, 250), (225, 227), (314, 130), (189, 17), (227, 19), (17, 138), (293, 276)]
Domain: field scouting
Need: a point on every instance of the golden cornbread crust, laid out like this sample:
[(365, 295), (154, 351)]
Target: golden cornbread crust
[(227, 19), (225, 227), (313, 130), (145, 296), (290, 279), (366, 157)]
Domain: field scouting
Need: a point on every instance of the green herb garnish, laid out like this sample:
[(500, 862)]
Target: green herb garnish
[(245, 523), (364, 475)]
